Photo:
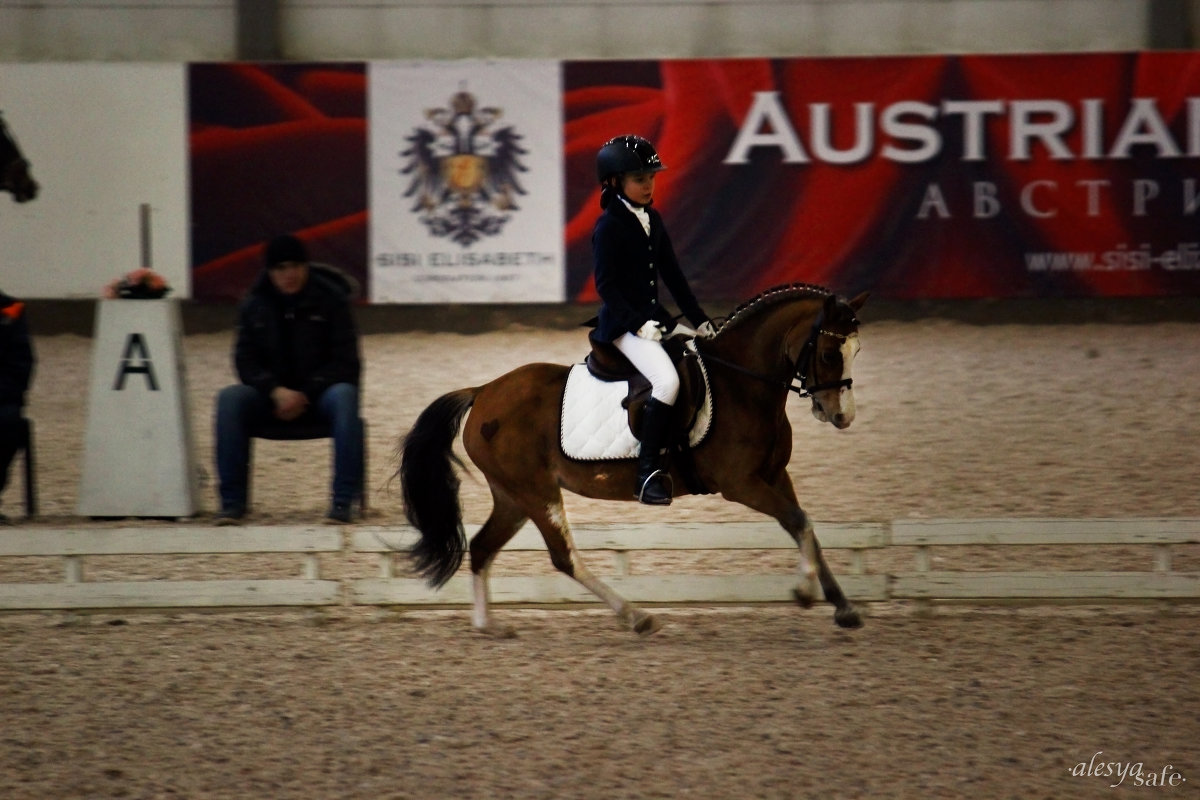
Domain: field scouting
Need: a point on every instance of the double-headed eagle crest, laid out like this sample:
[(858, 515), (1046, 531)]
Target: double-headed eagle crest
[(461, 164)]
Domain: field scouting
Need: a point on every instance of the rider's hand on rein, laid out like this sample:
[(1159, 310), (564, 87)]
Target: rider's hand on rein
[(650, 330)]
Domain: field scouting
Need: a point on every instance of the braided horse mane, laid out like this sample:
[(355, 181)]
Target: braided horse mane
[(769, 298)]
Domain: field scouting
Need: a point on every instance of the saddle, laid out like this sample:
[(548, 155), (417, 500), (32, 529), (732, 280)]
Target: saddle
[(606, 363)]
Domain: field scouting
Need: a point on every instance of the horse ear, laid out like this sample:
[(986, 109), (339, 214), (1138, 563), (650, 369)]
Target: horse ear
[(859, 301)]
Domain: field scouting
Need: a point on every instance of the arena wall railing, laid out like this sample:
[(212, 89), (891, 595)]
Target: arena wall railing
[(902, 560)]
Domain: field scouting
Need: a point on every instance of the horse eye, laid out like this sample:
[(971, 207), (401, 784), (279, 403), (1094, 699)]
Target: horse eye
[(828, 357)]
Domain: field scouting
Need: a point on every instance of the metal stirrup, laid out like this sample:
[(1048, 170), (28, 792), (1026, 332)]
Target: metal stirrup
[(670, 485)]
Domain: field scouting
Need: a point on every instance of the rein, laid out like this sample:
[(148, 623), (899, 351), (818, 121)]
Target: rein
[(808, 353)]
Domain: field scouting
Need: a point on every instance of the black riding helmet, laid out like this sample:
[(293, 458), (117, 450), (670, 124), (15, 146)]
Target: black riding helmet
[(628, 153), (621, 154)]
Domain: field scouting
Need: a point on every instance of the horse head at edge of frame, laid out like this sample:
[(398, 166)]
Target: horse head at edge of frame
[(15, 175)]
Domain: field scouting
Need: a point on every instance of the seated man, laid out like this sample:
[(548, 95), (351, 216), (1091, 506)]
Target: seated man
[(16, 370), (297, 355)]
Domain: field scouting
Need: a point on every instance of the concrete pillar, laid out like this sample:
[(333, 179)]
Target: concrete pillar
[(258, 34), (1171, 25)]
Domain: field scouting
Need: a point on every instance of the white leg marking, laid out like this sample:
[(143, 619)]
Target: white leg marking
[(639, 620), (808, 565), (481, 598)]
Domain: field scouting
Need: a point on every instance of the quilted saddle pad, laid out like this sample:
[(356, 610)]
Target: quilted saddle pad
[(594, 426)]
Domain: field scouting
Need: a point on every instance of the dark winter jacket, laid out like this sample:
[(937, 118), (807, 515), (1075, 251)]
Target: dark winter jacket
[(307, 341), (629, 265), (16, 352)]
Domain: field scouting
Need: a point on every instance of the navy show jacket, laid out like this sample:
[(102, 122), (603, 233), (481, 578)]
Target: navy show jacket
[(628, 267)]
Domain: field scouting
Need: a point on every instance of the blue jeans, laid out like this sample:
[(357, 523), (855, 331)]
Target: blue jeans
[(240, 408)]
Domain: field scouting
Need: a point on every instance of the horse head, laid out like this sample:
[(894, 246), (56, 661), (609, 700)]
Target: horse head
[(15, 176), (825, 360), (796, 334)]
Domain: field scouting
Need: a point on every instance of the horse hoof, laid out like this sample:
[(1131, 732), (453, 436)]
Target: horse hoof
[(803, 600), (645, 624), (498, 631), (848, 617)]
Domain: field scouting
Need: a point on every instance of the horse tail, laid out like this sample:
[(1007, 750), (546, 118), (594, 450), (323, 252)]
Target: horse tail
[(430, 486)]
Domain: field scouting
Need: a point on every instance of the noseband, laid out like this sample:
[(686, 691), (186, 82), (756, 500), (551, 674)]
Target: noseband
[(808, 356), (806, 364)]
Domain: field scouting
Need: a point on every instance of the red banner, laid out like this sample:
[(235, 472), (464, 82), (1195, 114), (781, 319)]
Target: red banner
[(921, 177), (275, 148)]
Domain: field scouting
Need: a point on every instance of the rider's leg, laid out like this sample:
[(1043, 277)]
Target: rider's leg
[(653, 484)]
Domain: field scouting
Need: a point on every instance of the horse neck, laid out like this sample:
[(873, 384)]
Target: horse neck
[(761, 343)]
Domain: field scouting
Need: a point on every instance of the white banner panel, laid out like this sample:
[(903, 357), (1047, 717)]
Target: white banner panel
[(466, 182)]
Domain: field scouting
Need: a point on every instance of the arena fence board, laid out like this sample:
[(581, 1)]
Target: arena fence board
[(1162, 583), (387, 588), (77, 593)]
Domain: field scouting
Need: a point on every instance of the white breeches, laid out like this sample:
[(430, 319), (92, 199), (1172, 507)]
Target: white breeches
[(652, 361)]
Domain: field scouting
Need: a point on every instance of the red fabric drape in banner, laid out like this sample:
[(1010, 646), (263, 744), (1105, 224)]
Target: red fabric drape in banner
[(275, 149), (976, 176)]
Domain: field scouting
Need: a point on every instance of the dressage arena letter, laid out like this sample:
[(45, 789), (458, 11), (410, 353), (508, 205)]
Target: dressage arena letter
[(137, 459), (136, 360)]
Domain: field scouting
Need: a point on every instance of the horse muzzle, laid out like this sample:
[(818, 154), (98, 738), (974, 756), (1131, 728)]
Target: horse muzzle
[(839, 418), (25, 191)]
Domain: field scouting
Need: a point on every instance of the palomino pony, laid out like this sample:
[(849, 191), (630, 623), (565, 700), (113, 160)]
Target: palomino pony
[(15, 177), (797, 333)]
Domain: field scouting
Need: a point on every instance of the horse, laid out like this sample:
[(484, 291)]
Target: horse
[(788, 335), (15, 177)]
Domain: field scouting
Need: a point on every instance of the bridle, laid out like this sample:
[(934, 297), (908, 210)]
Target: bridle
[(806, 364)]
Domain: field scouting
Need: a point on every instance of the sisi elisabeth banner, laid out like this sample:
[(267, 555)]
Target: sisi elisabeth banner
[(921, 177), (466, 182)]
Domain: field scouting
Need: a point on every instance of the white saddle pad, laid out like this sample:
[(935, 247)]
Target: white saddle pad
[(595, 426)]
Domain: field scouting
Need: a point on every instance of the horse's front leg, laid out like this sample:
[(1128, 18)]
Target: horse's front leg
[(778, 500), (845, 614)]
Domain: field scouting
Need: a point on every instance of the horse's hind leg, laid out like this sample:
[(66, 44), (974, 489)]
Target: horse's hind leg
[(552, 522), (503, 523)]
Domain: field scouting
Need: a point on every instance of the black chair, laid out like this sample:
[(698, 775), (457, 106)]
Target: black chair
[(303, 430)]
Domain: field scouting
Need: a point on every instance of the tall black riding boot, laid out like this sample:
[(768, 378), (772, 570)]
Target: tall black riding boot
[(653, 485)]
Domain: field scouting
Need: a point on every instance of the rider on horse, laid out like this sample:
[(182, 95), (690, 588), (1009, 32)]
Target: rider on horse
[(631, 252)]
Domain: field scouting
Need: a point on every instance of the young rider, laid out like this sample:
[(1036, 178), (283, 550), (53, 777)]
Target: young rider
[(632, 252)]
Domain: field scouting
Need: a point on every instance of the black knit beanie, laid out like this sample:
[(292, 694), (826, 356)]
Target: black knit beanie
[(285, 248)]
